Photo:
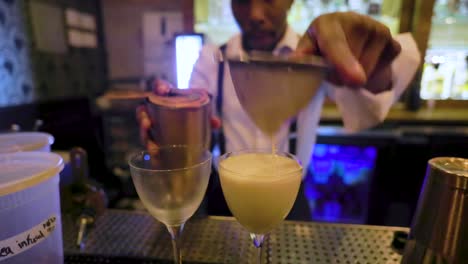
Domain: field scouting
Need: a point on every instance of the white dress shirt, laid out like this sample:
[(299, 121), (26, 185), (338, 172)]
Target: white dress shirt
[(359, 108)]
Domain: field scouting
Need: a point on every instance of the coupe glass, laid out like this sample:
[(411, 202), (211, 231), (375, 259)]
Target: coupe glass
[(171, 182), (260, 188)]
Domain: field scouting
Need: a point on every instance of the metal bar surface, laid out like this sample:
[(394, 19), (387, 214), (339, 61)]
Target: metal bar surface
[(120, 235)]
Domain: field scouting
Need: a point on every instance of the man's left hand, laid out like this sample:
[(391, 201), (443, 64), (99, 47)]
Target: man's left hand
[(359, 48)]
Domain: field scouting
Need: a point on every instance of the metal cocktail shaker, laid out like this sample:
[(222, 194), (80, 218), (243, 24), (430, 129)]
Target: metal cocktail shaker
[(439, 232), (182, 117)]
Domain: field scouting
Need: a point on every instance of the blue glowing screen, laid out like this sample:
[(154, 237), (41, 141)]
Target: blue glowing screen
[(337, 183)]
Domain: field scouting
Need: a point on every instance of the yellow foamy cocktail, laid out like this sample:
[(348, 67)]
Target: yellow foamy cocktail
[(260, 187)]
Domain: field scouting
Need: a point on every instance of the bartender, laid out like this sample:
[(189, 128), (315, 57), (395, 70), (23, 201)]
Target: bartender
[(371, 70)]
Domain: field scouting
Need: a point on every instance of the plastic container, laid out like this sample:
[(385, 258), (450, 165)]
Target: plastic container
[(30, 229), (25, 141)]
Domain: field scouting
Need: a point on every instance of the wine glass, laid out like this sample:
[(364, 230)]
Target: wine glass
[(171, 182), (260, 188)]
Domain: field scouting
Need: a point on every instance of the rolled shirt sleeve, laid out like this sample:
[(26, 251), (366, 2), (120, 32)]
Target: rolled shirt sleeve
[(361, 109)]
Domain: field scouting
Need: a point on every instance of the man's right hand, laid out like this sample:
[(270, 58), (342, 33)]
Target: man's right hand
[(160, 87), (145, 125)]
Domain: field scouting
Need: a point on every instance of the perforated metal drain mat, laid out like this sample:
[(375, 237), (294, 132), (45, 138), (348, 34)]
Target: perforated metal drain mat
[(129, 237)]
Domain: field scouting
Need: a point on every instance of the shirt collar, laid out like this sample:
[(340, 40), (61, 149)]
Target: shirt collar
[(289, 40)]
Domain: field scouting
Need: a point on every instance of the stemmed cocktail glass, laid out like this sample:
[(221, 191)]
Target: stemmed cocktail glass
[(171, 182), (260, 188)]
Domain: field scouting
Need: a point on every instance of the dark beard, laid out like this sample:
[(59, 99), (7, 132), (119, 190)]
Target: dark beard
[(247, 47)]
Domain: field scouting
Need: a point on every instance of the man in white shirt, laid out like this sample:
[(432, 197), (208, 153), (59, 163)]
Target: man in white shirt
[(371, 71), (361, 108)]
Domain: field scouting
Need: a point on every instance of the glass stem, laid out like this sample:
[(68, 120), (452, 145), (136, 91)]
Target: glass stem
[(258, 243), (175, 232)]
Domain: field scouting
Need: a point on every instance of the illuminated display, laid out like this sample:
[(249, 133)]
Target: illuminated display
[(187, 52), (338, 182)]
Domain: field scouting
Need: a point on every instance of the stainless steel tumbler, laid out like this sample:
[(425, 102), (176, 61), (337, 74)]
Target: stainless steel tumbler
[(181, 117), (439, 232)]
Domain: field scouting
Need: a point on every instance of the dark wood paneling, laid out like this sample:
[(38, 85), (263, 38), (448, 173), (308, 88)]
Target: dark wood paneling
[(406, 15), (188, 11), (422, 22)]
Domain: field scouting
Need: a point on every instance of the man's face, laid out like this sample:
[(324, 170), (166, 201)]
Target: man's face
[(262, 22)]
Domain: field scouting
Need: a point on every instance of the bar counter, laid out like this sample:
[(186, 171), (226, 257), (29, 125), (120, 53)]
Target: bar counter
[(120, 236), (399, 115)]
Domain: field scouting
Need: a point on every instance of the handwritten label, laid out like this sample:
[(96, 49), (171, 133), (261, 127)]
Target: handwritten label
[(18, 244)]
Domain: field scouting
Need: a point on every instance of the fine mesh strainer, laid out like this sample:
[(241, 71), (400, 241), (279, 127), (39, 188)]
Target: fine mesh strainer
[(274, 88)]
